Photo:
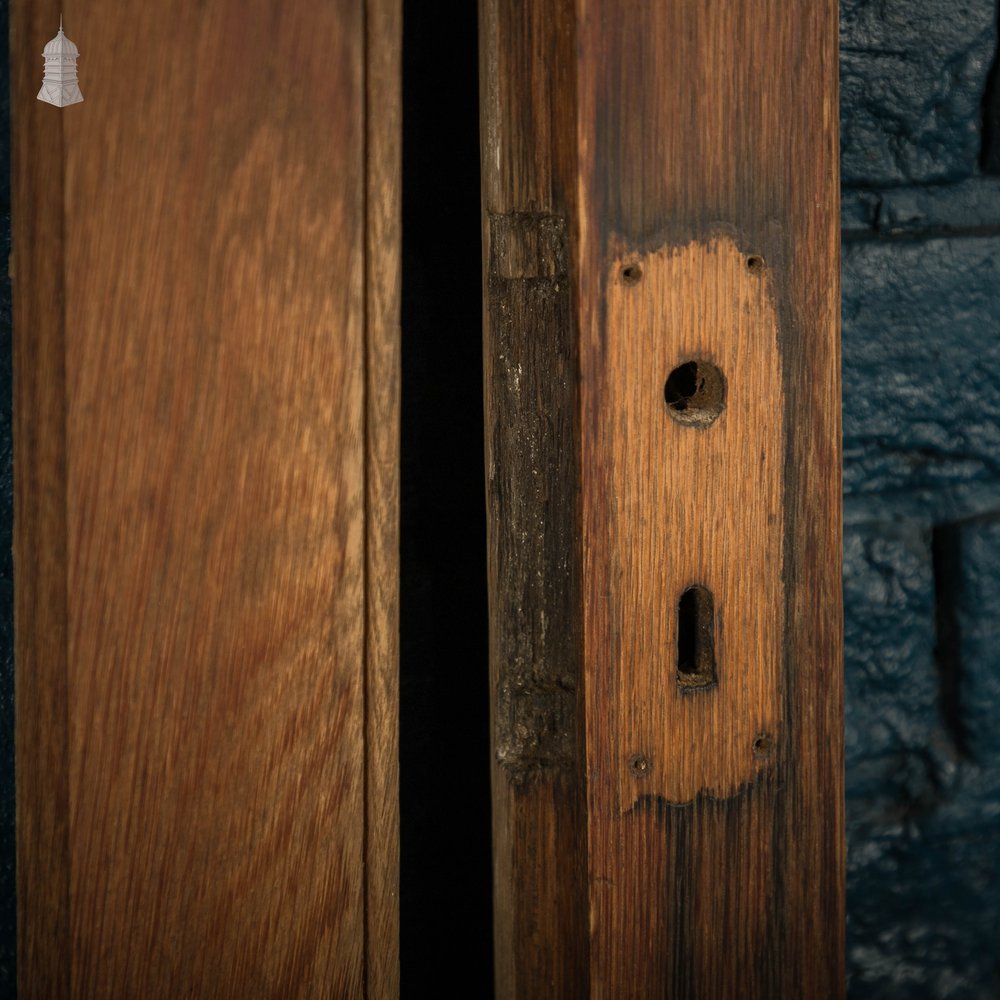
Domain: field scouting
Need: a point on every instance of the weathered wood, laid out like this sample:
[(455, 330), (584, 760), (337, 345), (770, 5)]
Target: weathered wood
[(206, 313), (535, 638), (533, 498), (689, 153)]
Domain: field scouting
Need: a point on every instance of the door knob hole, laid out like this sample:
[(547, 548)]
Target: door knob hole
[(695, 393)]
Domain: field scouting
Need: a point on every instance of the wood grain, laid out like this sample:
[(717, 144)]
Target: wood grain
[(693, 506), (739, 127), (530, 352), (225, 362), (685, 139), (383, 260), (41, 737)]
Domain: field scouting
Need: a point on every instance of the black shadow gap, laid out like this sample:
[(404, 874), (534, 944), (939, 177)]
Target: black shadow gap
[(446, 874)]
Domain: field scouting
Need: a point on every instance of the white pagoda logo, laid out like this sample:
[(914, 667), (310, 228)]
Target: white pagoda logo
[(59, 86)]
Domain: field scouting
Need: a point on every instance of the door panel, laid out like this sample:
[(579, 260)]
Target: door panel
[(206, 501)]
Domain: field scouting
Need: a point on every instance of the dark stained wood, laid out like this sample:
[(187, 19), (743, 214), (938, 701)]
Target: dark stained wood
[(206, 326), (533, 497), (534, 632), (40, 598), (689, 151)]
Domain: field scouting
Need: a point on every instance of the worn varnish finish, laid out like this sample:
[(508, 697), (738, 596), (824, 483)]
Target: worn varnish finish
[(693, 506), (534, 634), (206, 371), (527, 86), (698, 144)]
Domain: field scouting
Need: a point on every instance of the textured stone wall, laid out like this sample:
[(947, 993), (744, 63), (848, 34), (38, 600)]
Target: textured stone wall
[(920, 116)]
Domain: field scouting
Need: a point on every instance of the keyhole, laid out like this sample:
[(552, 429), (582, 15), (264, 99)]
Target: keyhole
[(696, 638)]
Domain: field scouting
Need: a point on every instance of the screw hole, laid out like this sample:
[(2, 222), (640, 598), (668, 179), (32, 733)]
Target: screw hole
[(695, 393), (755, 263), (763, 746), (639, 765), (631, 274)]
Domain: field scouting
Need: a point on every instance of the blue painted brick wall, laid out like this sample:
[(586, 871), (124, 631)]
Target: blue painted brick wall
[(920, 112), (912, 77)]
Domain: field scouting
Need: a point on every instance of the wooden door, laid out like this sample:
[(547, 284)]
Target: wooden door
[(205, 270), (660, 212)]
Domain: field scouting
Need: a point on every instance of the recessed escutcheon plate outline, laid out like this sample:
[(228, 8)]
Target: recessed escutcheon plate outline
[(694, 505)]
